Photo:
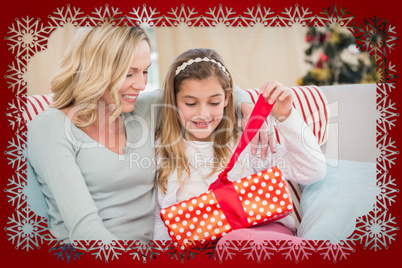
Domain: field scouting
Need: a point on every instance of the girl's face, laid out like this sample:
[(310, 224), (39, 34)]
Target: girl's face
[(201, 104), (135, 81)]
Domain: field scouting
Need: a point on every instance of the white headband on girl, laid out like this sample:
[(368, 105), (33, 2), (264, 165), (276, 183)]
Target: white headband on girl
[(184, 65)]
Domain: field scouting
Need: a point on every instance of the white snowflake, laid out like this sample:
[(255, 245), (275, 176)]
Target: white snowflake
[(375, 37), (335, 15), (295, 15), (15, 77), (383, 89), (260, 251), (376, 230), (65, 251), (161, 245), (15, 191), (176, 254), (296, 251), (27, 230), (223, 15), (390, 38), (252, 250), (15, 152), (335, 252), (140, 251), (179, 15), (387, 148), (26, 37), (14, 114), (226, 251), (144, 15), (387, 120), (157, 248), (388, 114), (389, 189), (390, 73), (261, 15), (66, 15), (388, 152), (106, 14), (101, 251)]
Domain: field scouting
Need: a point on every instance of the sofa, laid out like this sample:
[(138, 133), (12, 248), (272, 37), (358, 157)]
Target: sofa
[(330, 207), (343, 118)]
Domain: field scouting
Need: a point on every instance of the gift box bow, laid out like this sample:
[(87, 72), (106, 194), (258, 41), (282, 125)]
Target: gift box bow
[(257, 199)]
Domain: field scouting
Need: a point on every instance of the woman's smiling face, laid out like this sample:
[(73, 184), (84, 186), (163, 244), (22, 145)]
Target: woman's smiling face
[(201, 104), (135, 81)]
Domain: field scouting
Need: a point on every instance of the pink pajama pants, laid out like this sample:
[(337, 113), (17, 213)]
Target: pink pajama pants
[(270, 231)]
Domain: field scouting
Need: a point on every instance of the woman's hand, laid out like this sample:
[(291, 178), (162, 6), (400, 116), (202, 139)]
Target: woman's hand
[(275, 91)]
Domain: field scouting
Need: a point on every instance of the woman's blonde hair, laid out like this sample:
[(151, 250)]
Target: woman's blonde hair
[(171, 150), (98, 60)]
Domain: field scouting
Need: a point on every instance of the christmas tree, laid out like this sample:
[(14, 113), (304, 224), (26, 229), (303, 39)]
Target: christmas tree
[(335, 59)]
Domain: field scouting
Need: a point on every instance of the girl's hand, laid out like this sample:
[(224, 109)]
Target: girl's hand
[(264, 138), (275, 91)]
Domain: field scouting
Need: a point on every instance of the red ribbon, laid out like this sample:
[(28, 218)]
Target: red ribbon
[(223, 189)]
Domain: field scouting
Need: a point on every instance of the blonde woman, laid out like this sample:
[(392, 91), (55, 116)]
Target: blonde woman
[(93, 151), (198, 135)]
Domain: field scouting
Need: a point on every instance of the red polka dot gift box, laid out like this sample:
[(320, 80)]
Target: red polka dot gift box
[(264, 197), (254, 200)]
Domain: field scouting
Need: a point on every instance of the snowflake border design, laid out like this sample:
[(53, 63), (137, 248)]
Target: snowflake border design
[(250, 249), (28, 36), (378, 38), (67, 251), (27, 230), (15, 191), (15, 114), (376, 230), (335, 252)]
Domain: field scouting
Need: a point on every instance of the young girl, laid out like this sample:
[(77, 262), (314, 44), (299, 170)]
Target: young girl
[(198, 135)]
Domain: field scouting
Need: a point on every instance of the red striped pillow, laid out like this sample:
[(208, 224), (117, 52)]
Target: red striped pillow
[(37, 104), (311, 104)]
